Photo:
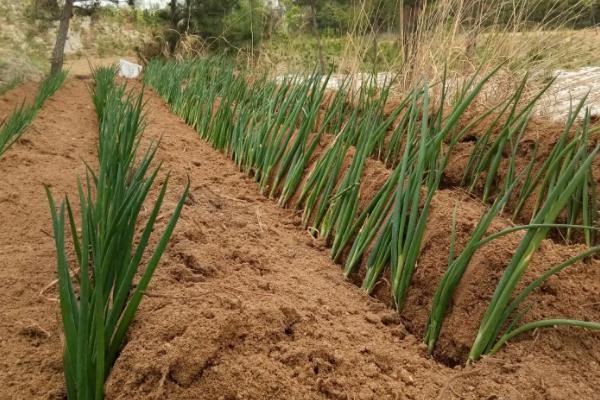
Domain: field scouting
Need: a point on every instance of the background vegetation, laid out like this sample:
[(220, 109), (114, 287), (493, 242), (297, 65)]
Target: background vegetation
[(284, 35), (382, 35)]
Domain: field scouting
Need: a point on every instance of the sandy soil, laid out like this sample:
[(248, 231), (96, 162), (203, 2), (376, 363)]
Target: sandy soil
[(246, 305)]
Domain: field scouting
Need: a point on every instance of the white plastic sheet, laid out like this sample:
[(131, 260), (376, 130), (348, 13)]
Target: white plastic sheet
[(128, 69)]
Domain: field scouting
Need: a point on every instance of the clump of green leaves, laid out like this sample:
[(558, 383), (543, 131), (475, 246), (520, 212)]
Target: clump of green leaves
[(570, 178), (98, 298)]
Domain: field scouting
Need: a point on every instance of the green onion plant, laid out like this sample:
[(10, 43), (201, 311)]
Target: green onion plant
[(99, 301), (572, 175)]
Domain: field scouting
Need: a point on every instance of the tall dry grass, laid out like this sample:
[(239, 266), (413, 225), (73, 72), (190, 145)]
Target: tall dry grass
[(457, 35), (463, 35)]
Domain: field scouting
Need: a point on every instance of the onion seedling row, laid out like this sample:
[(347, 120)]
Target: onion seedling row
[(99, 302), (15, 124), (273, 128)]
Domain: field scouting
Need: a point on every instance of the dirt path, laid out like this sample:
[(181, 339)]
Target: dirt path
[(245, 305), (49, 152)]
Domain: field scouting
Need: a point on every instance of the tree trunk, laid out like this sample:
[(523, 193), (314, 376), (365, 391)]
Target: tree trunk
[(315, 26), (58, 54)]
